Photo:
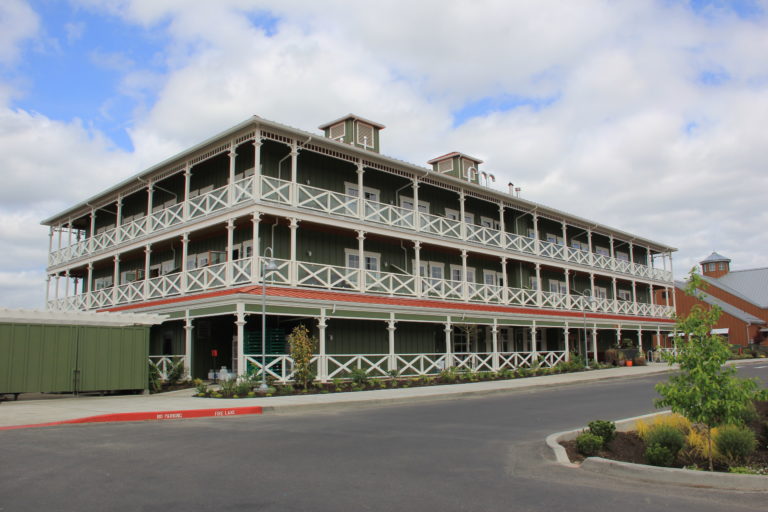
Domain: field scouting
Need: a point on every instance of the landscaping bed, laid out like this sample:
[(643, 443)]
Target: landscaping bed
[(358, 380), (631, 447)]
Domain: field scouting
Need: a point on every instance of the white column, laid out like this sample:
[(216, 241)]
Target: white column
[(448, 345), (47, 290), (463, 225), (187, 180), (231, 181), (360, 191), (322, 366), (565, 240), (256, 186), (502, 225), (50, 241), (505, 290), (60, 228), (93, 222), (650, 294), (640, 340), (495, 346), (567, 288), (150, 200), (240, 324), (416, 222), (537, 243), (118, 219), (188, 345), (392, 361), (56, 295), (184, 271), (147, 261), (361, 259), (613, 254), (69, 228), (648, 257), (591, 253), (634, 294), (594, 345), (255, 247), (66, 283), (294, 225), (613, 284), (539, 286), (228, 271), (658, 337), (90, 276), (417, 267), (567, 342), (294, 172), (464, 282), (618, 335), (534, 347), (631, 252), (116, 278), (592, 283), (669, 292)]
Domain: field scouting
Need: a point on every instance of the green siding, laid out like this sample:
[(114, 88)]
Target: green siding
[(356, 337), (44, 358)]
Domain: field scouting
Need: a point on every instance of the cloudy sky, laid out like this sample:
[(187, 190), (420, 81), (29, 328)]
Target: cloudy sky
[(647, 115)]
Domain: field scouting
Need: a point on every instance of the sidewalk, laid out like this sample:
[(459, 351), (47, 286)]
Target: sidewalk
[(181, 404)]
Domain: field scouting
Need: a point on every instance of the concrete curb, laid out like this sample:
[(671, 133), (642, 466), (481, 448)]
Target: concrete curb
[(147, 416), (653, 474)]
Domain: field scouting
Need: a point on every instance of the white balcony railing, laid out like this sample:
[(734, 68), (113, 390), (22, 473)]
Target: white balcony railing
[(273, 190), (331, 277)]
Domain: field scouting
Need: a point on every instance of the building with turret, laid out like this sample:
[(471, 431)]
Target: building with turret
[(394, 267)]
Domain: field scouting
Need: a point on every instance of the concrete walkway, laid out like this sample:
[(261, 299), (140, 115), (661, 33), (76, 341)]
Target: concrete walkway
[(181, 404)]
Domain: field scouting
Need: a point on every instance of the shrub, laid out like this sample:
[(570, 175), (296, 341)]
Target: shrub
[(200, 386), (359, 377), (176, 372), (302, 348), (588, 444), (153, 376), (666, 436), (606, 430), (677, 421), (658, 455), (449, 374), (734, 443), (698, 446)]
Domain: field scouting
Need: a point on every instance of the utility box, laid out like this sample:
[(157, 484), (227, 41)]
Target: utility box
[(73, 352)]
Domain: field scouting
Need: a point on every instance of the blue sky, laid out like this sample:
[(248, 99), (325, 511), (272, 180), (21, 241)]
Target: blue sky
[(644, 115)]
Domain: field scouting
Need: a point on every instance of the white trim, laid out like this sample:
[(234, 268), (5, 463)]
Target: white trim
[(30, 316), (366, 190), (452, 214), (366, 254), (492, 223), (409, 200), (470, 273)]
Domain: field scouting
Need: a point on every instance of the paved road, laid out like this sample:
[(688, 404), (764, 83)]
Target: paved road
[(473, 454)]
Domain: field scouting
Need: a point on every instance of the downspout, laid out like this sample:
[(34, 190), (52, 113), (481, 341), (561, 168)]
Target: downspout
[(280, 162)]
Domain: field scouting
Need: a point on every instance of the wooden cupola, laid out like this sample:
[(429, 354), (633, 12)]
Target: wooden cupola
[(352, 129), (458, 165), (715, 265)]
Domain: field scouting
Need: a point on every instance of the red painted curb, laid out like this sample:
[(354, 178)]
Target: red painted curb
[(148, 416)]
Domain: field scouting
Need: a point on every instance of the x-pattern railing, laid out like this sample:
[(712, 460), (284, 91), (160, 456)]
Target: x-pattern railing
[(166, 364), (279, 367), (275, 190), (205, 204), (241, 271), (341, 365), (327, 276), (389, 283), (163, 286), (319, 199), (441, 226), (522, 297), (551, 250), (243, 190), (554, 300), (514, 360), (479, 362), (388, 214), (130, 292), (412, 365), (483, 235), (485, 292), (168, 217), (519, 243), (205, 278)]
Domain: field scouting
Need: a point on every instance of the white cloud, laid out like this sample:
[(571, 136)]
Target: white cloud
[(633, 138), (18, 22)]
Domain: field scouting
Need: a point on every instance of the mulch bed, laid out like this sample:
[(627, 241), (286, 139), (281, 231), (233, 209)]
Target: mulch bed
[(628, 447)]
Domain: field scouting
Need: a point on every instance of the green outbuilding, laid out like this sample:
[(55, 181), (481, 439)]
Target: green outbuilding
[(43, 351)]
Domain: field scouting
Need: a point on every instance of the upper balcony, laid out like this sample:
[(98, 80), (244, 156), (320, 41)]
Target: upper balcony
[(269, 190)]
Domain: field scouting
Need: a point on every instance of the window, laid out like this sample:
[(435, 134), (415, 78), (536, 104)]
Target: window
[(365, 135), (102, 282), (369, 193), (556, 286), (711, 267), (338, 131), (371, 262), (554, 239), (603, 251), (468, 169), (623, 256), (469, 218), (579, 245), (531, 233), (488, 222), (456, 273), (493, 278), (534, 285), (721, 266), (445, 165), (601, 292), (624, 295), (407, 203)]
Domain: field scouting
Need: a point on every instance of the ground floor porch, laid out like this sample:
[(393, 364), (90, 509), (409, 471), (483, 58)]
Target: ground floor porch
[(381, 340)]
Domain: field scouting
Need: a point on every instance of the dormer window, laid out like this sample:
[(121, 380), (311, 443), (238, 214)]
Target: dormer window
[(445, 166), (365, 135), (469, 169), (338, 131)]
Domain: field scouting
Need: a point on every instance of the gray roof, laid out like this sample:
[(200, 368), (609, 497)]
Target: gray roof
[(750, 285), (727, 308), (714, 257)]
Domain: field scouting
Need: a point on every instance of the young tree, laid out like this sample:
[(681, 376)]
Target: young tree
[(302, 349), (705, 391)]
